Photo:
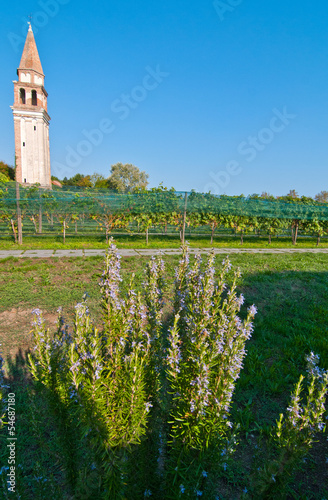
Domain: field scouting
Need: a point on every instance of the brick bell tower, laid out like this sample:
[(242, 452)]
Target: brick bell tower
[(31, 119)]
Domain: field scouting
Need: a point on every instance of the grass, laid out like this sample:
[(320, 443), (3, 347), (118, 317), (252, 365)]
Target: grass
[(156, 241), (291, 293)]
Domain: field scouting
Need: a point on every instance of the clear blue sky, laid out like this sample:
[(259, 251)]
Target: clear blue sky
[(240, 104)]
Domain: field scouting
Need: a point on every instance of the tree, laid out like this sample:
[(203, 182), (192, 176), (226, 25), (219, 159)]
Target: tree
[(126, 178), (322, 197), (267, 196), (292, 194), (78, 180), (8, 171), (98, 180), (3, 178)]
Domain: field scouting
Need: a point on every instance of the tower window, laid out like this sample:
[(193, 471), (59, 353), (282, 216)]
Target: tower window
[(22, 96), (34, 98), (24, 180), (34, 127), (23, 143)]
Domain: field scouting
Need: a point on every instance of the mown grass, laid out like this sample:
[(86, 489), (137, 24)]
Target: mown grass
[(291, 293), (156, 241)]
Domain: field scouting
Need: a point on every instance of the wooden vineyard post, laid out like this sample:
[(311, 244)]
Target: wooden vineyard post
[(19, 217), (12, 222), (40, 213), (184, 218)]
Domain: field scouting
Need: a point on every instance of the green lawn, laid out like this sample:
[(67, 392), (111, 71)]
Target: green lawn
[(156, 241), (291, 293)]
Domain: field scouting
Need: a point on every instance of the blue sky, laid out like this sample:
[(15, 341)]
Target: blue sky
[(229, 96)]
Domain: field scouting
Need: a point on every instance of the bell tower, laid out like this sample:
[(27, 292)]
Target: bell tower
[(31, 119)]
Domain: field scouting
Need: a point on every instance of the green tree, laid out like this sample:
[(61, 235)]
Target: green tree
[(126, 178), (78, 180), (3, 177), (98, 180), (7, 170)]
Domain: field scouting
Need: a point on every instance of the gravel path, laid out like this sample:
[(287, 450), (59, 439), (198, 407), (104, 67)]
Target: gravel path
[(139, 252)]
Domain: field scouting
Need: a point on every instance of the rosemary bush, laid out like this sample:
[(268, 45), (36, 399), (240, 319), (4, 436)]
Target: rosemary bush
[(142, 404), (295, 433), (99, 377), (205, 356)]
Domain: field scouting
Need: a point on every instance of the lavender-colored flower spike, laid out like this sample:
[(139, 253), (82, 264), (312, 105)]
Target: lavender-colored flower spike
[(252, 310)]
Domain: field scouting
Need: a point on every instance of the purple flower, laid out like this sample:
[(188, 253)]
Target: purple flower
[(252, 310), (80, 309), (148, 406), (240, 300), (75, 366), (226, 264)]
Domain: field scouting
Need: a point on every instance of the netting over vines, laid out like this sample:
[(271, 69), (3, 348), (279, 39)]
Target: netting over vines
[(77, 201)]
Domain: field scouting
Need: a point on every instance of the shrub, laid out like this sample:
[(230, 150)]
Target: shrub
[(142, 404)]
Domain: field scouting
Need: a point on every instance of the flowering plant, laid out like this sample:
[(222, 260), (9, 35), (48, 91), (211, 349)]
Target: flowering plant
[(100, 376), (295, 433), (144, 403), (205, 356)]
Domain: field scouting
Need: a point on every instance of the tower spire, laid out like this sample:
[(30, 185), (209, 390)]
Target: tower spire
[(30, 58)]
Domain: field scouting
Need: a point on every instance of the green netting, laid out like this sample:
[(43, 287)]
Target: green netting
[(74, 201)]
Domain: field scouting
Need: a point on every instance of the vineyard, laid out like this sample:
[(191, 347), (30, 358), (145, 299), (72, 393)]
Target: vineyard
[(82, 211)]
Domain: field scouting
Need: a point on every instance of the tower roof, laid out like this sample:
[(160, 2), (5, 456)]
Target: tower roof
[(30, 58)]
